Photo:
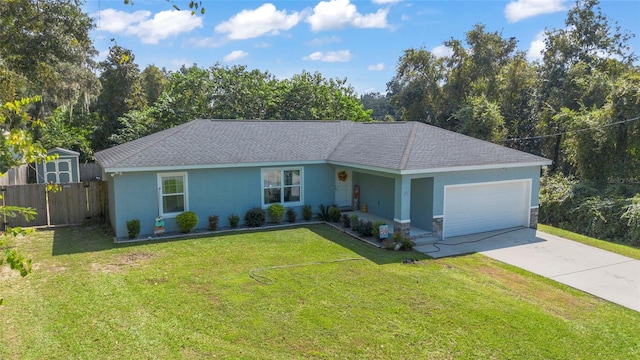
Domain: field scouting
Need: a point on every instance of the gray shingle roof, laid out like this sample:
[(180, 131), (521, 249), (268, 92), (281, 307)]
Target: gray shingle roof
[(393, 146)]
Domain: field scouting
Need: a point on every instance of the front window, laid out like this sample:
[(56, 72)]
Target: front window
[(282, 186), (173, 193)]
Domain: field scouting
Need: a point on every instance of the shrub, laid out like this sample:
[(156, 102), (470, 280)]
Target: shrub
[(334, 214), (254, 217), (291, 215), (353, 220), (213, 222), (133, 227), (375, 229), (632, 217), (323, 213), (233, 220), (389, 244), (307, 212), (187, 221), (407, 243), (404, 242), (346, 220), (276, 213), (363, 228)]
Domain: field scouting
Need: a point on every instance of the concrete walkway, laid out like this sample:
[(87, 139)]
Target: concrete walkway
[(610, 276)]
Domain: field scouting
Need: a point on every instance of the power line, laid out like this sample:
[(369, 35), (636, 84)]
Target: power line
[(573, 131)]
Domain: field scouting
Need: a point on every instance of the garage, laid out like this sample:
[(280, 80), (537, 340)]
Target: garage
[(487, 206)]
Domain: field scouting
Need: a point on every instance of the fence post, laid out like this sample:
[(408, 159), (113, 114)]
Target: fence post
[(46, 201)]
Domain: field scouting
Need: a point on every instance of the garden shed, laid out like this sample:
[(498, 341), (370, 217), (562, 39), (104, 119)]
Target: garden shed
[(64, 169)]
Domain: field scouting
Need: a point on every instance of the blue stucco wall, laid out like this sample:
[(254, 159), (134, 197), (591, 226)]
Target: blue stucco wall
[(422, 203), (377, 192), (111, 200), (235, 190), (210, 192), (453, 178)]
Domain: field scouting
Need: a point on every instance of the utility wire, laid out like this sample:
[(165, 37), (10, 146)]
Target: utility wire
[(573, 131)]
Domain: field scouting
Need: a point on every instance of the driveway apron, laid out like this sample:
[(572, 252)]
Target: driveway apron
[(610, 276)]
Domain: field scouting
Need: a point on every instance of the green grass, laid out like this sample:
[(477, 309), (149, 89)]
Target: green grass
[(618, 248), (195, 299)]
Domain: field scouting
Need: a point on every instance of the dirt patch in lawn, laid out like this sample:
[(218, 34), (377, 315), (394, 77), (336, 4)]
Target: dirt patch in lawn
[(6, 273), (557, 301), (122, 262)]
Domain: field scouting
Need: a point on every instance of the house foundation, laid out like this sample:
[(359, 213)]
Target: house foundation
[(404, 227), (533, 217), (436, 227)]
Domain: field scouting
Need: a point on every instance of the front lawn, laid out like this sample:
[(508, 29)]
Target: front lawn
[(306, 292)]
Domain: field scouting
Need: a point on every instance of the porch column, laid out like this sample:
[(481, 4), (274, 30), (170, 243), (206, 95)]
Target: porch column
[(402, 205)]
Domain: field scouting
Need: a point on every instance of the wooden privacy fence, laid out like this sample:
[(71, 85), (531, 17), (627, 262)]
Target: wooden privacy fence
[(15, 176), (73, 204)]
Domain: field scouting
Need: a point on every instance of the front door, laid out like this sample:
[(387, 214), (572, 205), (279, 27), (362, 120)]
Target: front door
[(343, 188)]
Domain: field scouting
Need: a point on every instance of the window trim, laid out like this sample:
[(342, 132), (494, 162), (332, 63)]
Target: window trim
[(282, 186), (57, 172), (185, 193)]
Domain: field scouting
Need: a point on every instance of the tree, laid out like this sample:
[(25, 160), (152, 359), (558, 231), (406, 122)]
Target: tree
[(47, 42), (308, 96), (474, 70), (584, 47), (481, 119), (416, 89), (516, 99), (153, 81), (381, 109), (241, 94), (121, 92)]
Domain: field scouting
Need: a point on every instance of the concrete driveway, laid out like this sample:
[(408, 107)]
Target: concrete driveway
[(602, 273)]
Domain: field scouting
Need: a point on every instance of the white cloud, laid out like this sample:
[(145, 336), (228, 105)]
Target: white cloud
[(324, 41), (376, 67), (536, 47), (117, 21), (384, 2), (262, 45), (338, 14), (212, 42), (441, 51), (235, 55), (523, 9), (149, 30), (330, 56), (265, 20)]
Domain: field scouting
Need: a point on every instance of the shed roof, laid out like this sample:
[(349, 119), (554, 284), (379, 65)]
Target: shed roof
[(399, 146)]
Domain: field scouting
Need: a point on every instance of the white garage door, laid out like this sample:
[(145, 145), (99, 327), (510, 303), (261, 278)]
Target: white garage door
[(474, 208)]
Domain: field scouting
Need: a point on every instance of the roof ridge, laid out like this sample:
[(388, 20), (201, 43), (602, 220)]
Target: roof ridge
[(407, 150), (276, 120), (169, 133), (352, 124)]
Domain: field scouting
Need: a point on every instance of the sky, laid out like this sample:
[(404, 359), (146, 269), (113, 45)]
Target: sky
[(360, 40)]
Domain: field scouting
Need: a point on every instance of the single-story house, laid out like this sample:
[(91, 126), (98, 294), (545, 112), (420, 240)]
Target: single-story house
[(413, 174), (64, 169)]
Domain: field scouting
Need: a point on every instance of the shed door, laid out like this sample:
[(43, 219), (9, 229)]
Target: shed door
[(58, 171), (480, 207)]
